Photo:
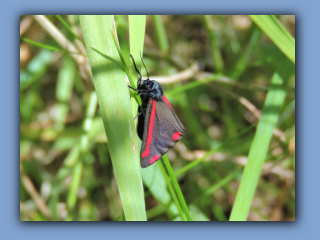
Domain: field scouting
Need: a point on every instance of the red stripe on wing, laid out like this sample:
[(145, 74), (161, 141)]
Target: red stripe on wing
[(166, 101), (176, 136), (153, 159), (150, 130)]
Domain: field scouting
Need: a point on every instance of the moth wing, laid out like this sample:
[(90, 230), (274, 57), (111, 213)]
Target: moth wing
[(141, 119), (162, 130)]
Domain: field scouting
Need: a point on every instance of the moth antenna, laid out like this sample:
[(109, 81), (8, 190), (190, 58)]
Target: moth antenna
[(144, 65), (135, 66)]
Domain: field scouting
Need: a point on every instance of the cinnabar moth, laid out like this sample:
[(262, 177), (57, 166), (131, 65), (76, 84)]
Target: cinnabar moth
[(159, 129)]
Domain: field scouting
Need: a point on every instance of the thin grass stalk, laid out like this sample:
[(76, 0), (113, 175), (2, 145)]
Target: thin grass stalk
[(177, 187), (242, 63), (219, 184), (171, 190), (66, 25)]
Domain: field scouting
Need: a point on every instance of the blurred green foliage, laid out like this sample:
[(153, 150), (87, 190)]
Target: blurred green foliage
[(65, 165)]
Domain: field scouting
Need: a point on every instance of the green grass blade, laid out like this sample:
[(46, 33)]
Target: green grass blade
[(153, 212), (42, 45), (46, 46), (177, 187), (171, 190), (277, 33), (65, 84), (126, 69), (74, 187), (35, 69), (213, 41), (83, 148), (260, 144), (156, 183), (196, 214), (242, 63), (66, 25), (137, 26), (160, 33), (116, 112), (199, 160), (219, 184)]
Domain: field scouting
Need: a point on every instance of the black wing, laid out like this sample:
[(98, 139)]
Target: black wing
[(162, 130)]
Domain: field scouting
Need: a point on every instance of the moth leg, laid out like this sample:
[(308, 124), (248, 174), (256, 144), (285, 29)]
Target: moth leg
[(136, 89), (139, 114)]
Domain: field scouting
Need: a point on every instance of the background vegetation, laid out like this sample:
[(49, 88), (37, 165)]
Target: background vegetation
[(230, 80)]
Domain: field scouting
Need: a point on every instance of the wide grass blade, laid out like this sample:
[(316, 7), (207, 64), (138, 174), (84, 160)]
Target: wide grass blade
[(260, 144), (116, 112), (277, 33)]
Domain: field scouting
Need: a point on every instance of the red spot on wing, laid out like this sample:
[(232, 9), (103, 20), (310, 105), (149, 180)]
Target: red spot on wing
[(176, 136), (166, 101), (153, 159), (150, 130)]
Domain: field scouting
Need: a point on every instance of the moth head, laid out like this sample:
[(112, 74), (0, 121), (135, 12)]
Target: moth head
[(147, 84)]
